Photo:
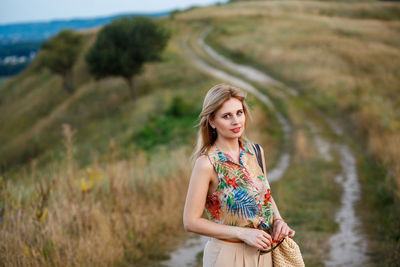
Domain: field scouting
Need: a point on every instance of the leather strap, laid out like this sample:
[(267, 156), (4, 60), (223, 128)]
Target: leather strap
[(271, 249), (258, 154)]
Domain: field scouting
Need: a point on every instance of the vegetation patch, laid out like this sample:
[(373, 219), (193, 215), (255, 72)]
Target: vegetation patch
[(173, 126)]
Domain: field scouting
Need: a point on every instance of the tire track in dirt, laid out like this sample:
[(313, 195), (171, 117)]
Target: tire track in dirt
[(348, 245)]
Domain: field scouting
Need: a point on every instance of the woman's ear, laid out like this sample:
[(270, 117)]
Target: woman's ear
[(211, 123)]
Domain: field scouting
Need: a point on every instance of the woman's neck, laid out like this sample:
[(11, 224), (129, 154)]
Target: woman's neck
[(229, 146)]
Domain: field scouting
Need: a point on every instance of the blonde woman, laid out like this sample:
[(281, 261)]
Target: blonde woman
[(229, 184)]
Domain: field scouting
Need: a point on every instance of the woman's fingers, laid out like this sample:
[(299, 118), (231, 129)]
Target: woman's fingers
[(265, 243), (265, 240), (284, 232), (281, 231), (292, 233), (281, 235), (277, 231), (268, 237), (262, 245)]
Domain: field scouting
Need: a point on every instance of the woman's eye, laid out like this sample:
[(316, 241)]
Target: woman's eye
[(239, 112), (226, 116)]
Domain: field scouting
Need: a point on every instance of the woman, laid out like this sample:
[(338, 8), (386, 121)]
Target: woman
[(229, 184)]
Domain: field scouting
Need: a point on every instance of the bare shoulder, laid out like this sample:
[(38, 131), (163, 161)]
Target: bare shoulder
[(202, 169), (203, 164)]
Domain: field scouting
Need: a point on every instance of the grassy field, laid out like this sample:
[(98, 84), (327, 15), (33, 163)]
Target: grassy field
[(95, 178), (344, 58), (109, 171), (310, 212), (3, 80)]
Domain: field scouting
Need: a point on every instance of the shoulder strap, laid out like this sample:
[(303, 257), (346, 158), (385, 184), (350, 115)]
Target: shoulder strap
[(257, 149)]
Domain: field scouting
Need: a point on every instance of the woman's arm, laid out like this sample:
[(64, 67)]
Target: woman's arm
[(276, 211), (280, 228), (194, 207)]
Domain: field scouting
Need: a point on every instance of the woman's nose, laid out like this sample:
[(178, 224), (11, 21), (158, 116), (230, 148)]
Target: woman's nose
[(234, 119)]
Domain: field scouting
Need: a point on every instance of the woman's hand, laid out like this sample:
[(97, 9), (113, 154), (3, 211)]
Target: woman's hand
[(281, 230), (255, 238)]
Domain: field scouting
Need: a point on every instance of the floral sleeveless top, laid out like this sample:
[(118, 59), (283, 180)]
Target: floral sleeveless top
[(242, 197)]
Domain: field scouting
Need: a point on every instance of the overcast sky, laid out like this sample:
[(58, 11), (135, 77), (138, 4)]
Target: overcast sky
[(14, 11)]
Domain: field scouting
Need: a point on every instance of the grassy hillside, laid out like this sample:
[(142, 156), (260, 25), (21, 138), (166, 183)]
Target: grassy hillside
[(34, 107), (95, 170), (344, 58), (96, 178)]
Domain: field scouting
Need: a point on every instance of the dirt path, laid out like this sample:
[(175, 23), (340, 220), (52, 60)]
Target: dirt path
[(323, 146), (284, 159), (186, 254), (348, 245)]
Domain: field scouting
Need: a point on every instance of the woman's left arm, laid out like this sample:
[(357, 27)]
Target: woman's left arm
[(280, 227)]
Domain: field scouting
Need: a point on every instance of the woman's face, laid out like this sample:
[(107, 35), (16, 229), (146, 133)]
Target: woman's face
[(229, 120)]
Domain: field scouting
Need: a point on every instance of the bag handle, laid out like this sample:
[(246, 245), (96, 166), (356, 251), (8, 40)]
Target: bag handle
[(271, 249), (257, 149)]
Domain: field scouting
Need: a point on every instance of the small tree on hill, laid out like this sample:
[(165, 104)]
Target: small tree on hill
[(123, 46), (60, 53)]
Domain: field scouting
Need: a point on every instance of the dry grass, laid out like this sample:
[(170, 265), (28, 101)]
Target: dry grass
[(344, 58), (346, 52), (109, 213), (126, 212)]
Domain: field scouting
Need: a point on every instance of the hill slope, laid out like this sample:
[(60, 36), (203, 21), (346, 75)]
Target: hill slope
[(333, 54)]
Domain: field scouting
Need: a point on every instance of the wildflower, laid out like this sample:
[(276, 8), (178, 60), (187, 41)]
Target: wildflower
[(27, 251), (94, 175), (41, 214), (2, 183), (86, 186)]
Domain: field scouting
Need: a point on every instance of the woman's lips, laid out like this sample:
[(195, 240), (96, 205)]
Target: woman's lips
[(236, 130)]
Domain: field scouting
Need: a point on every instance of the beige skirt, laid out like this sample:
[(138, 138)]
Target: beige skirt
[(218, 253)]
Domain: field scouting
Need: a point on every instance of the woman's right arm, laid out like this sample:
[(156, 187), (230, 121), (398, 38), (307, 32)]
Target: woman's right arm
[(195, 200)]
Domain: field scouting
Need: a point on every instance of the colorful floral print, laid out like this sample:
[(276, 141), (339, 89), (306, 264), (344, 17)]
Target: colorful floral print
[(243, 196)]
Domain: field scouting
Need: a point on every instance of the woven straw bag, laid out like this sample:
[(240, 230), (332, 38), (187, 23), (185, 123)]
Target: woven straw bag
[(287, 254)]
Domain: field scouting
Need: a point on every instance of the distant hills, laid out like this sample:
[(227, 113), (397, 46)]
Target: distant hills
[(20, 42), (39, 31)]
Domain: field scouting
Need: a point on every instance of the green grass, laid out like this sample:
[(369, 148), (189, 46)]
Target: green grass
[(174, 126), (380, 211), (3, 80), (98, 112), (307, 194), (336, 55), (169, 98), (307, 198)]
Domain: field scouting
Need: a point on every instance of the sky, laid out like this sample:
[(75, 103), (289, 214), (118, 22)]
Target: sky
[(16, 11)]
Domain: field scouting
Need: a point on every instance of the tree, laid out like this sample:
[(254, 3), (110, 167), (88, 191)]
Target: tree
[(60, 53), (124, 45)]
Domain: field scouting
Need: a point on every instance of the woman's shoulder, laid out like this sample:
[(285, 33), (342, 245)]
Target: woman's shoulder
[(203, 166), (203, 162)]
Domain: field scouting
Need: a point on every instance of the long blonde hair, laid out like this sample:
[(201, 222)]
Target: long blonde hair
[(213, 100)]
